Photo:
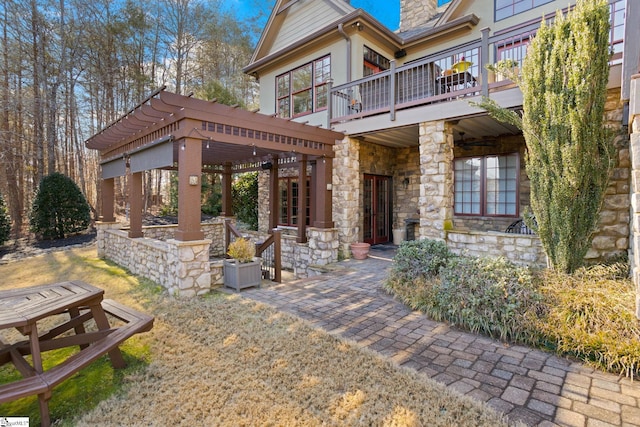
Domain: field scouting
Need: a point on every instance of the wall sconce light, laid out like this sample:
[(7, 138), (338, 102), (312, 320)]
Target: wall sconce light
[(254, 150), (193, 180), (405, 183), (183, 146)]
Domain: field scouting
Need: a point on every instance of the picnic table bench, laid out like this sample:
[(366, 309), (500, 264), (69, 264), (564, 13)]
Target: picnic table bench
[(23, 308)]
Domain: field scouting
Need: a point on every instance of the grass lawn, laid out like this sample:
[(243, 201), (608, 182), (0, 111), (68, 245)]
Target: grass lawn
[(223, 360)]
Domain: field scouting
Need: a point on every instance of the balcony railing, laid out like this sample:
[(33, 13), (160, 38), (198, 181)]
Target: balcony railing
[(441, 77)]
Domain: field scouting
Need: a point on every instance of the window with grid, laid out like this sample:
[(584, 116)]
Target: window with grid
[(289, 191), (373, 62), (507, 8), (486, 185), (303, 90), (616, 36)]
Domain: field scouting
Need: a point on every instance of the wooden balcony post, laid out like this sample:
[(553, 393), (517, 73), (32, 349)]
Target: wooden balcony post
[(274, 201), (189, 190), (323, 171), (302, 198), (108, 200), (484, 61), (135, 205), (392, 91), (227, 201)]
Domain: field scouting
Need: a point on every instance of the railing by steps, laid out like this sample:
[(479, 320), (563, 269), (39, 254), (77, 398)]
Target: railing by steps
[(270, 250)]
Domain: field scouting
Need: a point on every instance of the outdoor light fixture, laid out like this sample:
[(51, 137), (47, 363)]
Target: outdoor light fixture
[(183, 146), (254, 150)]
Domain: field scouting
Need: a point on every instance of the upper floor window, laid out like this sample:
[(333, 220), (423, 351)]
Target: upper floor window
[(616, 36), (373, 62), (303, 90), (486, 185), (507, 8)]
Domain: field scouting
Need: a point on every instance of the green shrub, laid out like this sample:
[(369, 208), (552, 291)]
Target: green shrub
[(5, 222), (487, 295), (420, 258), (590, 315), (59, 208)]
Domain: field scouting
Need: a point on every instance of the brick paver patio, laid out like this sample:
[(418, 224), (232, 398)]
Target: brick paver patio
[(528, 385)]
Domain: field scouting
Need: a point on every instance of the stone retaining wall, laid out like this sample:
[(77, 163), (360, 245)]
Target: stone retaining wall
[(521, 249), (180, 267)]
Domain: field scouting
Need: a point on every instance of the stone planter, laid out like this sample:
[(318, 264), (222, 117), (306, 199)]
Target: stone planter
[(239, 275), (360, 250)]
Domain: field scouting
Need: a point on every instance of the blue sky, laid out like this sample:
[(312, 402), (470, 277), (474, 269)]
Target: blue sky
[(387, 12)]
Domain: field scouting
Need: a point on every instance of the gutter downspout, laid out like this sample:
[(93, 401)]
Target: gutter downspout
[(348, 39)]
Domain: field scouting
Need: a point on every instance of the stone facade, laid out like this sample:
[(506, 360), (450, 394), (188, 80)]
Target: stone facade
[(611, 238), (180, 267), (520, 249), (436, 180), (347, 189), (415, 13)]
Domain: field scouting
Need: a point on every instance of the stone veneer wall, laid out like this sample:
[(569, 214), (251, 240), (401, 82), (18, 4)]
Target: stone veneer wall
[(414, 13), (181, 267), (347, 193), (436, 180), (519, 248), (406, 200), (612, 236), (213, 230)]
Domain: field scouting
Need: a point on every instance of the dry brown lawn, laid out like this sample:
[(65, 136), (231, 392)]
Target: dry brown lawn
[(224, 360)]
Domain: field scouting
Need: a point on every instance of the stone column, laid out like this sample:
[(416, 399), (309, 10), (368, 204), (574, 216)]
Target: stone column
[(436, 180), (634, 146), (346, 192)]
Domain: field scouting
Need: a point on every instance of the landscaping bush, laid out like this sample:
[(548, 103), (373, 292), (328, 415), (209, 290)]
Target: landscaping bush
[(420, 258), (59, 209), (487, 295), (415, 267), (5, 222), (245, 199), (589, 315)]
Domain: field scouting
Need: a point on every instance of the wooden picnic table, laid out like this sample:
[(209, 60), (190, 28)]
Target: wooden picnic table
[(25, 309)]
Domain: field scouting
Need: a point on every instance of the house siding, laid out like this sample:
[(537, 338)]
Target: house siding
[(304, 19)]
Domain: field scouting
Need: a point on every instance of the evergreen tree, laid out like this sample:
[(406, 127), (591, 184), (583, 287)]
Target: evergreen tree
[(59, 208), (5, 222), (570, 153)]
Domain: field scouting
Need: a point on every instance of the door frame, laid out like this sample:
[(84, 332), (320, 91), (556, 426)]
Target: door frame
[(374, 232)]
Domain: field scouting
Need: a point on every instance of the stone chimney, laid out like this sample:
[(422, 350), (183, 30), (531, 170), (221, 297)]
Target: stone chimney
[(414, 13)]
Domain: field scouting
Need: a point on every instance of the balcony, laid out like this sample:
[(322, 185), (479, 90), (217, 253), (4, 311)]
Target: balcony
[(441, 77)]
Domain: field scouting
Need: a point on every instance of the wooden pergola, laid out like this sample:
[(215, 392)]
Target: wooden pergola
[(169, 131)]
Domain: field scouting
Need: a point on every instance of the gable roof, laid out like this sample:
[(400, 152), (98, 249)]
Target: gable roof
[(289, 16), (270, 50)]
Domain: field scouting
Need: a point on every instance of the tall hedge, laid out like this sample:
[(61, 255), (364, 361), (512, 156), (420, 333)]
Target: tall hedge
[(59, 208), (570, 153), (5, 222)]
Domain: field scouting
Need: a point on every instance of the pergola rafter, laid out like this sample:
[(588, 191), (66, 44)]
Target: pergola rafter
[(171, 131)]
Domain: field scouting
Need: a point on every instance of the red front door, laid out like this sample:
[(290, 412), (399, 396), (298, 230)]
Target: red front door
[(377, 209)]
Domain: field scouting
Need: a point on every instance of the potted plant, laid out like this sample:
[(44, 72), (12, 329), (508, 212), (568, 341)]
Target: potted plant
[(506, 68), (360, 250), (243, 269)]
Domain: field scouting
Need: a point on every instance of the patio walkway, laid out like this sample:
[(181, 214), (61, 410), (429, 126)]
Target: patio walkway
[(528, 385)]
